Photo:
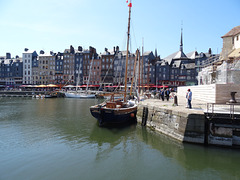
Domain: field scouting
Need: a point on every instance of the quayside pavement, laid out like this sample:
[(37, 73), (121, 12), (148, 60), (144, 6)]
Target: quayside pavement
[(198, 107)]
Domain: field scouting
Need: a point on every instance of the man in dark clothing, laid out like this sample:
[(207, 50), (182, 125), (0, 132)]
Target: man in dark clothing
[(167, 94), (162, 94)]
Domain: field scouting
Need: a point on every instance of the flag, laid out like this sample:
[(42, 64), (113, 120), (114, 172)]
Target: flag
[(126, 1), (130, 5)]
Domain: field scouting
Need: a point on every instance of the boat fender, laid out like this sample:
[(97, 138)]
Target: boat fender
[(132, 115), (144, 116)]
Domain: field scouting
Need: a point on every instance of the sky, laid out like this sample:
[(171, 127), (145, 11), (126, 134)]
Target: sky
[(54, 25)]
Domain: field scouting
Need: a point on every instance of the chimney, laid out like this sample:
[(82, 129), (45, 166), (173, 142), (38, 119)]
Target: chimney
[(41, 52), (79, 48), (26, 49), (209, 51), (8, 55), (71, 49), (117, 48)]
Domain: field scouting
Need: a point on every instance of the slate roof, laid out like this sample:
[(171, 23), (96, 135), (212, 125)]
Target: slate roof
[(29, 51), (107, 53), (45, 54), (7, 61), (192, 55), (176, 64), (234, 31), (175, 56)]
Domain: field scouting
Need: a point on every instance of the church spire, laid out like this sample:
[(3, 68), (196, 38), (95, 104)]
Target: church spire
[(156, 52), (181, 41)]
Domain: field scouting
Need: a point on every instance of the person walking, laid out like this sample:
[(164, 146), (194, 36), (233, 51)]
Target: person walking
[(189, 98)]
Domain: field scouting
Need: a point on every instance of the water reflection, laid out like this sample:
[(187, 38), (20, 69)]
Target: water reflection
[(62, 132), (195, 157)]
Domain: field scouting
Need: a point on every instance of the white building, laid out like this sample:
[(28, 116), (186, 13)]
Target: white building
[(29, 59)]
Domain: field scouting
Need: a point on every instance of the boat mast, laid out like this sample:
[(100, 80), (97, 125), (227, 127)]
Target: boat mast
[(78, 78), (134, 70), (139, 69), (90, 71), (128, 36), (142, 67)]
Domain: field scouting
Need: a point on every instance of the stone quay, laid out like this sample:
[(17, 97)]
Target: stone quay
[(201, 125)]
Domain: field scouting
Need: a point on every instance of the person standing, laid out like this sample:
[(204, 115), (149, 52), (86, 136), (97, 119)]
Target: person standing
[(162, 94), (167, 93), (189, 98)]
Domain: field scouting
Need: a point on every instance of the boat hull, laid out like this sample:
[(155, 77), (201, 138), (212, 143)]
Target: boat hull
[(79, 95), (113, 116)]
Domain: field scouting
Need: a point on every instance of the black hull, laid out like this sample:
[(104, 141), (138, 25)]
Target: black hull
[(114, 116)]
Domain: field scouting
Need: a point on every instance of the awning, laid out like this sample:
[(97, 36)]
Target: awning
[(42, 86), (52, 85), (69, 86)]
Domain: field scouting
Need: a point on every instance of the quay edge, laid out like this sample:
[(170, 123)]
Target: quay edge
[(179, 125)]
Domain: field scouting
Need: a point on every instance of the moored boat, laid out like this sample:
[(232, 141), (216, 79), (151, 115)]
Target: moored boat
[(79, 95), (115, 111)]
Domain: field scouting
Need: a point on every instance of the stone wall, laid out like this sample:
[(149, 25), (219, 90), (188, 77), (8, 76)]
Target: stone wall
[(213, 93), (184, 127), (227, 48)]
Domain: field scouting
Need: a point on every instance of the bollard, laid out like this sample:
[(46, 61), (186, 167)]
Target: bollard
[(175, 101)]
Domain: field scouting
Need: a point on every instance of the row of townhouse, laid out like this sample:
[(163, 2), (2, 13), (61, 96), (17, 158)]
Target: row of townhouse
[(79, 66)]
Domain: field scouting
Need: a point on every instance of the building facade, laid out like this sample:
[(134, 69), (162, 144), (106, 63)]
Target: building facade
[(29, 59), (46, 68), (11, 71), (107, 66)]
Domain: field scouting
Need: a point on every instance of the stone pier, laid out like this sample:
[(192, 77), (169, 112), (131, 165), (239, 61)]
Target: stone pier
[(188, 125)]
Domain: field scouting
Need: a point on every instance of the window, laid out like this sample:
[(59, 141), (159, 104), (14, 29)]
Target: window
[(237, 38)]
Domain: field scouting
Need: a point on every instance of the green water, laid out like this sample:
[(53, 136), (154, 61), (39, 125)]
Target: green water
[(59, 139)]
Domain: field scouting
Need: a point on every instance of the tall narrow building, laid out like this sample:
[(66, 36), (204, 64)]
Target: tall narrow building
[(29, 62)]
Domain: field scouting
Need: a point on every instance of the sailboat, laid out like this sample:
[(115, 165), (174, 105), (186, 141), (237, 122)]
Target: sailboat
[(81, 94), (113, 111)]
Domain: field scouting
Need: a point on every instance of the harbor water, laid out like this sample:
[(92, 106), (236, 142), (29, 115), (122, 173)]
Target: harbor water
[(46, 139)]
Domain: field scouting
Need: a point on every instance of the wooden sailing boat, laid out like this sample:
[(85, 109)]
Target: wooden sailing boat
[(117, 111)]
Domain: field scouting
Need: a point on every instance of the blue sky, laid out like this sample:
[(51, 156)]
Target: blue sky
[(57, 24)]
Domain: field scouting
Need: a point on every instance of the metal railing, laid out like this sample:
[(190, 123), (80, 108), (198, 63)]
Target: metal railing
[(227, 111)]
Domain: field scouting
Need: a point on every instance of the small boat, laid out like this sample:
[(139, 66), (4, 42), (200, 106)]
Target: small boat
[(115, 112), (51, 95), (79, 95)]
